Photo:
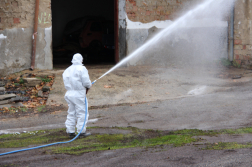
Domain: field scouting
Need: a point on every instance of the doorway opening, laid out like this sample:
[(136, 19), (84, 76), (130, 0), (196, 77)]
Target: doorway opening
[(86, 27)]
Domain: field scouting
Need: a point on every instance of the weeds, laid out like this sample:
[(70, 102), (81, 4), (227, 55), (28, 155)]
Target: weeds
[(135, 138), (21, 81), (23, 109), (46, 79), (236, 64), (225, 62), (226, 146), (41, 108)]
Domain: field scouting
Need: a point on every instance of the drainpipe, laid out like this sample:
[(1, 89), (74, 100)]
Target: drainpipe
[(231, 36), (35, 33)]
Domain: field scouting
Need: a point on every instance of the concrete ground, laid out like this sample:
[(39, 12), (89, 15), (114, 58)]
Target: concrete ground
[(145, 84), (164, 99), (136, 157)]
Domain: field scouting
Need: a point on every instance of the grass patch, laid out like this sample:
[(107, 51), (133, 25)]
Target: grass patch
[(23, 109), (41, 108), (46, 79), (237, 131), (226, 146), (135, 138), (225, 62), (32, 138), (236, 64), (21, 81)]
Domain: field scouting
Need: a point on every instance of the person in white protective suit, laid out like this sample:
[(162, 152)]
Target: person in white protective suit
[(77, 83)]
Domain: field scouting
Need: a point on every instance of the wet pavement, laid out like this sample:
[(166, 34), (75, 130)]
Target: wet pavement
[(155, 100), (160, 99)]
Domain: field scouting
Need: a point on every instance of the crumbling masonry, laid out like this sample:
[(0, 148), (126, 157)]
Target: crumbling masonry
[(17, 22)]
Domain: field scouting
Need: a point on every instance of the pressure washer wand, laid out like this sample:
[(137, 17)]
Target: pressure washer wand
[(94, 82)]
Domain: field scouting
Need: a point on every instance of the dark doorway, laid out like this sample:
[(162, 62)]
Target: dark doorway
[(86, 27)]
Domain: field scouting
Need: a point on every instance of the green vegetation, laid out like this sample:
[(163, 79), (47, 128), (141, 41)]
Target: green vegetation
[(21, 81), (236, 64), (31, 138), (133, 138), (46, 79), (227, 146), (225, 62), (41, 108), (23, 109), (144, 138), (12, 110)]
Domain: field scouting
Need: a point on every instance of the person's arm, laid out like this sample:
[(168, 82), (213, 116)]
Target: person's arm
[(85, 79)]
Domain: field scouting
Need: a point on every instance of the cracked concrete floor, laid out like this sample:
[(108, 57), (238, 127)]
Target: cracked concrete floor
[(165, 99), (145, 84)]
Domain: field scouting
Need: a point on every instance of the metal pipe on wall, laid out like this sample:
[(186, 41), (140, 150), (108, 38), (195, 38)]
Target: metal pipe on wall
[(35, 33)]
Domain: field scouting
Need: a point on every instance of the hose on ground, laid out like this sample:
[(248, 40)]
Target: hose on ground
[(47, 145)]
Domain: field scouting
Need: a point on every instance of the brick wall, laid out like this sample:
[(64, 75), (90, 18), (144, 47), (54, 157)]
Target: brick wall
[(20, 13), (16, 26), (150, 10), (243, 33)]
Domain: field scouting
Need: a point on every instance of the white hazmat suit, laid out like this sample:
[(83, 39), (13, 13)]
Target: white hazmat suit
[(76, 81)]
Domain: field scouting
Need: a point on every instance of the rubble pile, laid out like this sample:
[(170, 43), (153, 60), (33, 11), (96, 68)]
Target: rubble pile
[(28, 90), (6, 98)]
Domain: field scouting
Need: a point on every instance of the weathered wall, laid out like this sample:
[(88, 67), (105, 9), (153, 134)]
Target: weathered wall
[(152, 13), (16, 30), (243, 33), (142, 16), (151, 10)]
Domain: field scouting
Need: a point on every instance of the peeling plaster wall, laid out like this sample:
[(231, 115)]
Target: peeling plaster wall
[(147, 17), (16, 30)]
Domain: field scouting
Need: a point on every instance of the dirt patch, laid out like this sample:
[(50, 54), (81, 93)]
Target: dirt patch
[(23, 112), (32, 99), (151, 147)]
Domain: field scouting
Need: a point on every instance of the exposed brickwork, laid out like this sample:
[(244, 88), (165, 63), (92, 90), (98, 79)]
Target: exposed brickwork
[(150, 10), (20, 13), (243, 33), (16, 20)]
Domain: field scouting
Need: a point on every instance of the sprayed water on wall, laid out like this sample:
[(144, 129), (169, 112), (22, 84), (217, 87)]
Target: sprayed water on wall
[(192, 45), (184, 43)]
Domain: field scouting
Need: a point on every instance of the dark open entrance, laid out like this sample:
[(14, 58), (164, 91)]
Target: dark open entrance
[(86, 27)]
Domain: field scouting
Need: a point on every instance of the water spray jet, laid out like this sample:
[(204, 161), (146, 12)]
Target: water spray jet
[(164, 33)]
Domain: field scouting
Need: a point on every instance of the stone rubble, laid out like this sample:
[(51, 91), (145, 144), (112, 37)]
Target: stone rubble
[(2, 84), (40, 93), (29, 82), (10, 97), (2, 90), (5, 98), (46, 88)]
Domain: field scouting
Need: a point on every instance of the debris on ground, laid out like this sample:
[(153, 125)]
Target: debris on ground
[(236, 77), (106, 86), (29, 90)]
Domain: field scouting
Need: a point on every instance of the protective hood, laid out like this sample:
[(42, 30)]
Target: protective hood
[(77, 59)]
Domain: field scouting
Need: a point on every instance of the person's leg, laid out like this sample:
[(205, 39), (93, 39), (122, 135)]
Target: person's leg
[(80, 113), (71, 117)]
